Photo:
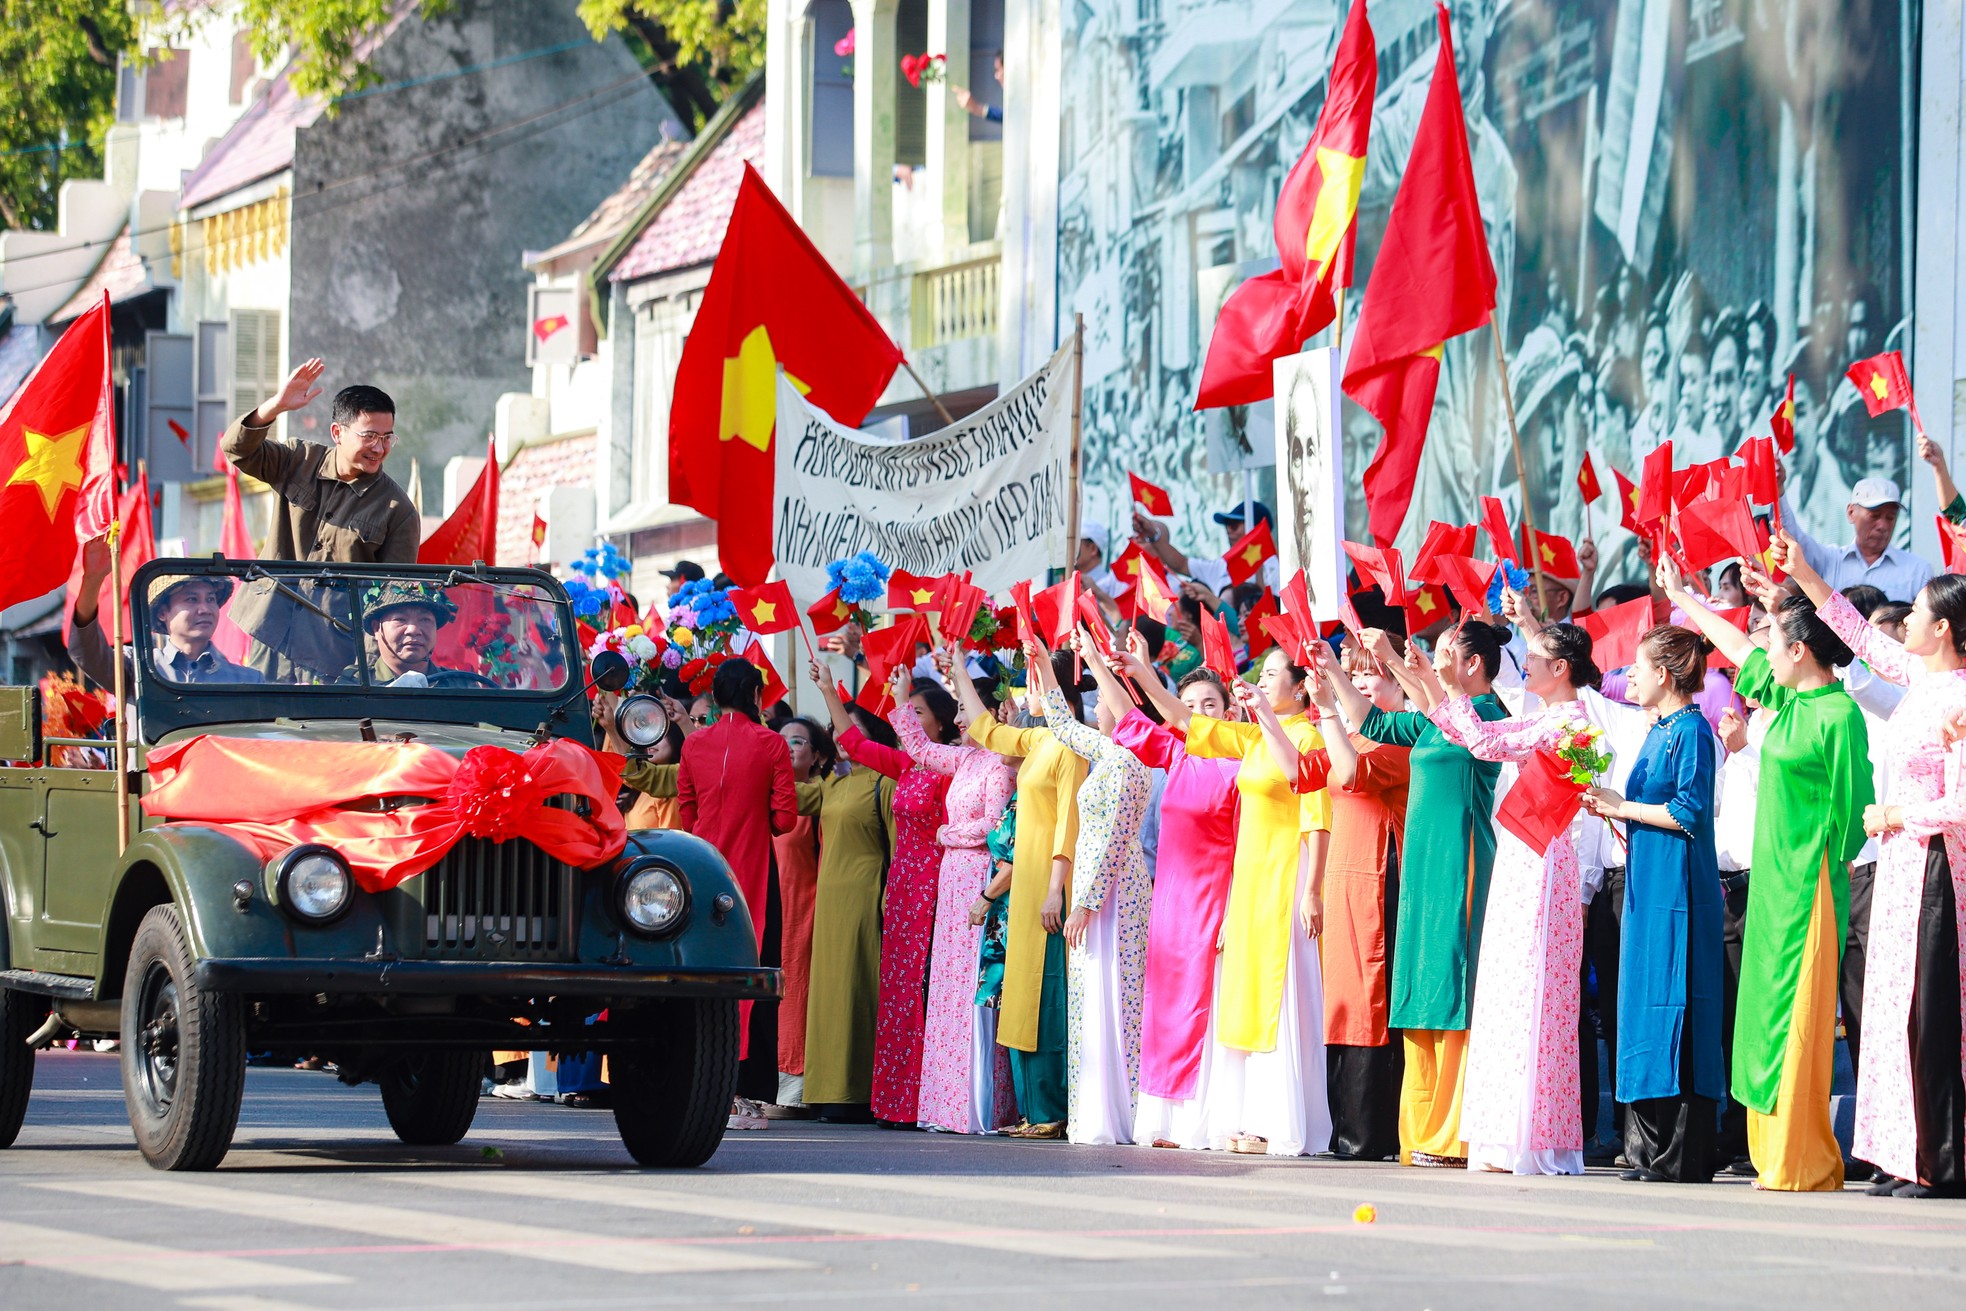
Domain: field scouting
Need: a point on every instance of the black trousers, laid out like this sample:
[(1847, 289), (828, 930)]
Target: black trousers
[(1674, 1136), (757, 1074), (1850, 975), (1733, 1145), (1604, 921), (1938, 1093), (1363, 1082)]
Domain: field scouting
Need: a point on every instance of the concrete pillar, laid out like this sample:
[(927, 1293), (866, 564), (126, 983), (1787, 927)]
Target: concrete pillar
[(948, 127), (876, 65)]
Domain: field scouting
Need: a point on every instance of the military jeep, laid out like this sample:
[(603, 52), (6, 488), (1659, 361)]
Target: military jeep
[(194, 950)]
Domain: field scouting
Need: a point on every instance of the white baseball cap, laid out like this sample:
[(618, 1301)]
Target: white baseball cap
[(1095, 532), (1873, 492)]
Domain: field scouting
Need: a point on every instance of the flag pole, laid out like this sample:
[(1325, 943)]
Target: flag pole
[(121, 766), (933, 399), (1078, 410), (1521, 472), (1338, 326)]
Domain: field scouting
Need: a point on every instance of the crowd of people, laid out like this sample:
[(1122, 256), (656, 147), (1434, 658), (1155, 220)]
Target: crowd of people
[(1289, 913)]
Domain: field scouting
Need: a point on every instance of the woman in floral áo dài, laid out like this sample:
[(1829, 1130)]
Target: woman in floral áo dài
[(1106, 930), (1522, 1111), (965, 1084), (1911, 1087)]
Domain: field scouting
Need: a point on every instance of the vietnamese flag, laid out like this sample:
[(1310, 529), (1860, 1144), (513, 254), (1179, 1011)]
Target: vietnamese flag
[(1273, 315), (1432, 279), (1952, 545), (772, 301), (1712, 531), (1154, 500), (1495, 523), (1758, 453), (1380, 566), (1627, 502), (963, 600), (1150, 597), (1542, 802), (234, 543), (1655, 487), (1882, 382), (137, 547), (892, 647), (1615, 632), (1020, 604), (906, 591), (1467, 577), (1246, 557), (1255, 624), (1738, 617), (1782, 421), (1554, 555), (1132, 562), (1587, 483), (774, 688), (1216, 652), (1425, 608), (1054, 610), (1442, 539), (57, 460), (829, 613), (1094, 622), (768, 609), (471, 532)]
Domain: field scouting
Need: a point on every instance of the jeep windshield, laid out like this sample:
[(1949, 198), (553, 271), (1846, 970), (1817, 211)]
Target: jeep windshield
[(386, 630)]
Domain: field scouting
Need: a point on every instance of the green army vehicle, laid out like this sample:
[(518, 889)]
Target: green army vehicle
[(193, 948)]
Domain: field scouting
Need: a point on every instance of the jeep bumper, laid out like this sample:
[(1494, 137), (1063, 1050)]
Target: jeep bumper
[(423, 978)]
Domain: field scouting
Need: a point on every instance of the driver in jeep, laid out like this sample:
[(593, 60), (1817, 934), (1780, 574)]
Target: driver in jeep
[(402, 620), (184, 613)]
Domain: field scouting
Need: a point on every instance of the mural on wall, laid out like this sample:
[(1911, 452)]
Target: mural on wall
[(1686, 200)]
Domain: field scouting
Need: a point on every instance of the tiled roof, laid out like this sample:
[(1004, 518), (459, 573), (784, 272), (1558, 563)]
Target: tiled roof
[(568, 462), (690, 227), (615, 213), (121, 273)]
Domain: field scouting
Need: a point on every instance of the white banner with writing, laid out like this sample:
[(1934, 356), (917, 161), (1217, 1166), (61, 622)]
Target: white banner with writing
[(988, 494)]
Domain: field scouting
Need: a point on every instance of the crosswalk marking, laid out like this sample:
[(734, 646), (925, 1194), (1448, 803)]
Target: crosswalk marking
[(1261, 1220), (915, 1228), (162, 1269), (434, 1228)]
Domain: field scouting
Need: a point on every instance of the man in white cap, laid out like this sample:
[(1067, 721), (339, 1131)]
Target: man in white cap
[(1093, 563), (1875, 504)]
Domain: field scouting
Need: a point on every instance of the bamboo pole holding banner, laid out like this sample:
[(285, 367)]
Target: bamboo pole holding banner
[(933, 399), (1076, 475), (121, 735), (1521, 471)]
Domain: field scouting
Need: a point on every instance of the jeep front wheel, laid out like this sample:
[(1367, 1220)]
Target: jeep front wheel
[(183, 1051), (672, 1092), (20, 1014), (431, 1097)]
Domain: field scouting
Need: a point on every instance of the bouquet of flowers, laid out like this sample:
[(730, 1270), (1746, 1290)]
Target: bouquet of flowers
[(1582, 752), (1514, 577), (861, 580), (923, 68), (702, 619), (594, 586)]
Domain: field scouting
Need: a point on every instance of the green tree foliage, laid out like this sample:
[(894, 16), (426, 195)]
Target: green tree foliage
[(57, 99), (324, 35), (698, 51)]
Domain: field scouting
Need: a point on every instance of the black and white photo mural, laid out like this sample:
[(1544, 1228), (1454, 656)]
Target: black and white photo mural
[(1686, 201)]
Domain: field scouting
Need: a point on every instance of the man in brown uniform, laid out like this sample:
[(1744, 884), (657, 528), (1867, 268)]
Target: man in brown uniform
[(337, 504)]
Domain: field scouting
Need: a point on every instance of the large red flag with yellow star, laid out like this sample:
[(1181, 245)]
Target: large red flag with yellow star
[(57, 460), (1274, 314), (772, 300), (1433, 279)]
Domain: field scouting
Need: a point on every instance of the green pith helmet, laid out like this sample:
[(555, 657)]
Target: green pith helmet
[(380, 598), (161, 587)]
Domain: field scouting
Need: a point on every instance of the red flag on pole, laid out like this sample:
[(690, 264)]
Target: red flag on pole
[(1150, 597), (772, 300), (1711, 531), (906, 591), (138, 547), (1782, 421), (1255, 630), (234, 543), (1542, 802), (1467, 578), (1426, 607), (1556, 556), (766, 610), (471, 531), (1431, 280), (1495, 523), (1627, 501), (1759, 455), (1216, 652), (538, 534), (1055, 609), (1245, 559), (1655, 487), (774, 689), (1587, 483), (1615, 632), (1382, 567), (57, 460), (1952, 545), (1882, 382), (1442, 539), (1273, 315), (829, 613), (1154, 500)]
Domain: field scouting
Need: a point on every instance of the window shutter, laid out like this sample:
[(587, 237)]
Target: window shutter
[(255, 357)]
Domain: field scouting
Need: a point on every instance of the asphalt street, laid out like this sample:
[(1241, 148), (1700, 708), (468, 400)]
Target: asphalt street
[(318, 1206)]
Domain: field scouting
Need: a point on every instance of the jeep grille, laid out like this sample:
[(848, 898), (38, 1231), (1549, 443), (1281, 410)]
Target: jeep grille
[(498, 901)]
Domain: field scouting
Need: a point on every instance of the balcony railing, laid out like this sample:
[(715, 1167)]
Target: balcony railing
[(955, 302)]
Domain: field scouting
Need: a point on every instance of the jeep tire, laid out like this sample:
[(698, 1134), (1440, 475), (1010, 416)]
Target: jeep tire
[(672, 1091), (183, 1051), (20, 1014), (431, 1097)]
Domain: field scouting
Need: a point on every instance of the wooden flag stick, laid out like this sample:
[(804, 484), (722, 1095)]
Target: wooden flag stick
[(933, 399), (121, 765), (1521, 471), (1338, 326)]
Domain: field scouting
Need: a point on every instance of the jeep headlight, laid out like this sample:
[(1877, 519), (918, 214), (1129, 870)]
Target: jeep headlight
[(641, 721), (654, 898), (313, 883)]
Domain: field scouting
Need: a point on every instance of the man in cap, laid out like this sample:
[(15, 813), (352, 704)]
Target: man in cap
[(682, 572), (402, 619), (1875, 504), (183, 615), (1210, 572), (1092, 562)]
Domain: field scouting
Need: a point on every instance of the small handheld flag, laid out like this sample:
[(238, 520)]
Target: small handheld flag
[(767, 609), (1154, 500), (1246, 557), (829, 613), (1883, 383), (1782, 421)]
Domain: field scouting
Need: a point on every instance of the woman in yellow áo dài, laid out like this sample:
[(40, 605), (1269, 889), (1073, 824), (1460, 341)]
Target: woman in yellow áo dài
[(1815, 782), (1032, 1019), (1267, 1080)]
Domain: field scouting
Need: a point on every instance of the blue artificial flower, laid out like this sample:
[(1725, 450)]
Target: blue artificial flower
[(1515, 578), (860, 578)]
